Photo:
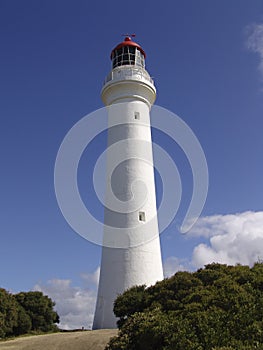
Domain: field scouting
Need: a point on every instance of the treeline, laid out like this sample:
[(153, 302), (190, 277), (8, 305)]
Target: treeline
[(218, 307), (26, 312)]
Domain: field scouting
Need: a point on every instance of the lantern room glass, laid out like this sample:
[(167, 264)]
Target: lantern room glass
[(128, 55)]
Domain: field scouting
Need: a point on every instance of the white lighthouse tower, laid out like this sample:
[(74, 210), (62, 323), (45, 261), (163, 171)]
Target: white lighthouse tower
[(131, 254)]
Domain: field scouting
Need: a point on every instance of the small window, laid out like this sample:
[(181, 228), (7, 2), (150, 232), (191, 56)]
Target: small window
[(141, 216), (136, 115)]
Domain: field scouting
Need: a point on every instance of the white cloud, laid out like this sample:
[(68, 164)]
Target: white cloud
[(255, 41), (234, 238), (172, 265), (91, 278), (75, 305), (230, 239)]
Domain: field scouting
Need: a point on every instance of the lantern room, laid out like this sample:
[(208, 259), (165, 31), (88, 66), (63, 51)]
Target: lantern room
[(128, 53)]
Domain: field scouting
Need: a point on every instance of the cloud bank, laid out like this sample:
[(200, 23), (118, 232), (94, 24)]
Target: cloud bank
[(75, 305), (228, 239), (172, 265), (232, 239), (254, 42)]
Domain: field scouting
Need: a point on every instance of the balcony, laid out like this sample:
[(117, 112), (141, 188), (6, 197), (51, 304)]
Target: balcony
[(128, 73)]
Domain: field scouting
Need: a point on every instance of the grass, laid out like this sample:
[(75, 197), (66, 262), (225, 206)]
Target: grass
[(83, 340)]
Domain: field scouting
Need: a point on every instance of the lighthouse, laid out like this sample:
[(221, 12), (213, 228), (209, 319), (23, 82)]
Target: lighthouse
[(131, 253)]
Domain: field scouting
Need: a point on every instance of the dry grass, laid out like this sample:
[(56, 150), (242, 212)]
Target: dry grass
[(87, 340)]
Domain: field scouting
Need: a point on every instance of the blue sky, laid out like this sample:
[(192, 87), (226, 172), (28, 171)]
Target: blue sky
[(206, 59)]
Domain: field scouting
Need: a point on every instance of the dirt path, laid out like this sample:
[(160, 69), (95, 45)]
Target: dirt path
[(88, 340)]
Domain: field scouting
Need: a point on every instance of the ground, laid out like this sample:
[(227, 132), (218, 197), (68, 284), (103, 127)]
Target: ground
[(86, 340)]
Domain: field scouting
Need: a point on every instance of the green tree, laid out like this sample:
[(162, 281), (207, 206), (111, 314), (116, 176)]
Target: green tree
[(131, 301), (39, 308), (219, 307), (24, 324), (8, 313)]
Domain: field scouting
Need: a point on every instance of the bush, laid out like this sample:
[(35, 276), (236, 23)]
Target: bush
[(8, 313), (26, 312), (39, 308), (219, 307)]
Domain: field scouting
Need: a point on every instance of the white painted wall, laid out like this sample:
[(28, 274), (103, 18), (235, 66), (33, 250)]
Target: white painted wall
[(137, 258)]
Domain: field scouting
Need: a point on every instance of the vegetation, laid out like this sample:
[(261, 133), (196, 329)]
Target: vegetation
[(219, 307), (26, 312)]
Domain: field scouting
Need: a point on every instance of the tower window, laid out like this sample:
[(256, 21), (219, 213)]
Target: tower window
[(136, 115), (141, 216)]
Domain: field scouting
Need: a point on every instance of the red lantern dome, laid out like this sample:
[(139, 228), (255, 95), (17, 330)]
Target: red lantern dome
[(127, 42), (128, 53)]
